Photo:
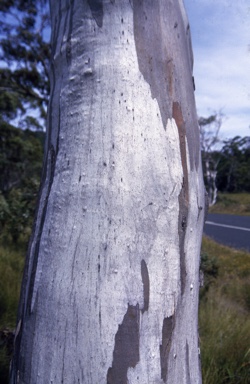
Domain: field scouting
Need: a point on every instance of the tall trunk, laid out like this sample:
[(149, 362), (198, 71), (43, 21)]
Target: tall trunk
[(110, 290), (214, 187), (211, 166)]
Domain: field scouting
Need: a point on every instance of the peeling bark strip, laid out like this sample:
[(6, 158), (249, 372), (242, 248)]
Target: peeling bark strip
[(96, 7), (184, 194), (146, 285), (30, 285), (167, 330), (126, 350), (177, 115), (151, 53)]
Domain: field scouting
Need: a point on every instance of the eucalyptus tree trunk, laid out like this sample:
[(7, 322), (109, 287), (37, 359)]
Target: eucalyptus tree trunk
[(210, 170), (110, 289)]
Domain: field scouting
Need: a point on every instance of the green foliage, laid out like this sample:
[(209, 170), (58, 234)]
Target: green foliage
[(24, 90), (11, 268), (4, 365), (224, 334), (209, 139), (224, 320), (4, 211), (24, 55), (21, 155), (209, 268), (228, 168), (234, 166), (230, 164)]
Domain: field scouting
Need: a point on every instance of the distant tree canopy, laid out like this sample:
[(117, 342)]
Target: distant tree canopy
[(226, 168), (21, 153), (24, 58), (234, 165), (209, 138), (24, 92)]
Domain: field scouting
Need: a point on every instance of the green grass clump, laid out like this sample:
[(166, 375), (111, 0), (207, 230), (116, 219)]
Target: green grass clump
[(4, 365), (224, 319), (225, 335), (232, 203), (11, 269)]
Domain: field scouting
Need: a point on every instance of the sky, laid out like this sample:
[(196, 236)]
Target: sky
[(220, 32)]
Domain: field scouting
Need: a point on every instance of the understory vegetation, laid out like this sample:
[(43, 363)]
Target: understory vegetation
[(11, 268), (232, 203), (224, 319)]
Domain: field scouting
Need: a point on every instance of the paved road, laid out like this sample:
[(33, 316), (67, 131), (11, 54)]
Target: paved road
[(230, 230)]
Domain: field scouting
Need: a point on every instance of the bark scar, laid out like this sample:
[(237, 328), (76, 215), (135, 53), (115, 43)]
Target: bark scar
[(152, 54), (184, 193), (126, 350), (167, 330)]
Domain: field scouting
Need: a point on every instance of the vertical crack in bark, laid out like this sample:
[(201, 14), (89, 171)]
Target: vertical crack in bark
[(126, 350), (38, 238), (182, 226), (178, 116), (96, 7), (17, 362), (167, 330), (68, 43), (184, 194), (146, 285), (50, 161), (54, 40), (48, 173), (187, 364)]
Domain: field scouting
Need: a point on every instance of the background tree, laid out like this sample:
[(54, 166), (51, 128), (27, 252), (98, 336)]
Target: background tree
[(24, 55), (24, 89), (209, 137), (21, 155), (234, 167), (110, 289)]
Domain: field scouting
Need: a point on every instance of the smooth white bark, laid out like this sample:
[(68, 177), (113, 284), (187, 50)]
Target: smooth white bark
[(110, 293)]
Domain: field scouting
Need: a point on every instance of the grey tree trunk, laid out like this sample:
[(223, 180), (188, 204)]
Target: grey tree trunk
[(210, 170), (110, 290)]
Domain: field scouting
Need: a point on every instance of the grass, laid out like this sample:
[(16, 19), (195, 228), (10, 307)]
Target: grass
[(232, 203), (11, 267), (224, 317), (225, 348)]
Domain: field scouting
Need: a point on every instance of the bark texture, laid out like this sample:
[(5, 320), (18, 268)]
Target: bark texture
[(110, 289)]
